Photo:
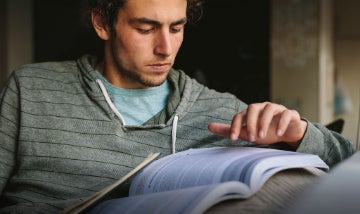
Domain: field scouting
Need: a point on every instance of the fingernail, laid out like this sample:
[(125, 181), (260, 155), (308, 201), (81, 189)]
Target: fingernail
[(251, 138), (233, 137), (279, 132), (261, 134)]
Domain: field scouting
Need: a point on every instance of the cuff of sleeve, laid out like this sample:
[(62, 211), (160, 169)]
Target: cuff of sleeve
[(312, 141)]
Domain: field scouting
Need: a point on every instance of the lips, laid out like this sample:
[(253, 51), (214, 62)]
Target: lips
[(161, 67)]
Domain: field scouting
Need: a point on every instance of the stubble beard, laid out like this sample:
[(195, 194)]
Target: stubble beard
[(133, 75)]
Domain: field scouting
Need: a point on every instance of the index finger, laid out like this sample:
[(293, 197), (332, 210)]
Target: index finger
[(237, 124), (221, 129)]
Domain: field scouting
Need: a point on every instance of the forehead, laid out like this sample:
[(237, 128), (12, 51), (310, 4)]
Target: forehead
[(160, 10)]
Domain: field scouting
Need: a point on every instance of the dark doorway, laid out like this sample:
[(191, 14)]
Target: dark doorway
[(228, 48)]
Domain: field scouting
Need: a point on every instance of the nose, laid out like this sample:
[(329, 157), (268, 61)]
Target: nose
[(163, 46)]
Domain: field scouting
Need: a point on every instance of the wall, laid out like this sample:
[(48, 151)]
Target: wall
[(3, 41), (17, 41), (302, 57), (230, 45), (326, 62), (347, 55), (19, 37)]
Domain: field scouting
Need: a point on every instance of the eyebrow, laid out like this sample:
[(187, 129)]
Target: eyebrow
[(154, 22)]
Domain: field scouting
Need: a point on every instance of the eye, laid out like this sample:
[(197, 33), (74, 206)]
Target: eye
[(144, 30), (176, 29)]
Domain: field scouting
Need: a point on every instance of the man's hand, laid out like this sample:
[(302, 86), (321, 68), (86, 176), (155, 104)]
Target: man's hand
[(264, 123)]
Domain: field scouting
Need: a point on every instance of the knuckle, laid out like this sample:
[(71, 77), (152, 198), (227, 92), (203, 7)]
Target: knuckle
[(252, 105)]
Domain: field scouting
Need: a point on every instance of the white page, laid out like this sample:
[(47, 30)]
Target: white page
[(196, 167), (188, 168), (261, 172)]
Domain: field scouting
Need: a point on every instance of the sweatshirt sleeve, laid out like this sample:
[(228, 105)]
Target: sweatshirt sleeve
[(9, 126), (330, 146)]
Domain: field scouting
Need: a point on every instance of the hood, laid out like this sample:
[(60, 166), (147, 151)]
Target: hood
[(87, 77), (184, 93)]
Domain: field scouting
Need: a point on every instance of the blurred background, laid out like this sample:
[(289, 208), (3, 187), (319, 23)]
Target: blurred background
[(302, 54)]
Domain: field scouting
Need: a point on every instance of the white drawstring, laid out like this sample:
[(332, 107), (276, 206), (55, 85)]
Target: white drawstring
[(117, 113), (173, 134), (109, 102)]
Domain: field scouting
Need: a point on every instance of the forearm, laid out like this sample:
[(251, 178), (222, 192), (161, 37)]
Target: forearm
[(329, 146)]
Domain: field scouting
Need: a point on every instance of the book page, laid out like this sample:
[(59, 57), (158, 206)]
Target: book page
[(189, 168), (243, 170), (265, 168), (260, 166), (189, 200), (195, 167)]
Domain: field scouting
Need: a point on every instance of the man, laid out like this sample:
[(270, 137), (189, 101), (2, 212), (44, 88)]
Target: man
[(68, 129)]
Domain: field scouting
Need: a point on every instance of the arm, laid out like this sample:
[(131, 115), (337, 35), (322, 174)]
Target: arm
[(332, 147), (270, 123), (9, 118)]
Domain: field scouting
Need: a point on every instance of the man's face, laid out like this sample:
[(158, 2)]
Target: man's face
[(145, 41)]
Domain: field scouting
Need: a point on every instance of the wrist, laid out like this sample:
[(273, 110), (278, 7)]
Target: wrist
[(299, 135)]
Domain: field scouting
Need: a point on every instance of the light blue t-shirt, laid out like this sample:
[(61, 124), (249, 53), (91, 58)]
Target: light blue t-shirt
[(138, 105)]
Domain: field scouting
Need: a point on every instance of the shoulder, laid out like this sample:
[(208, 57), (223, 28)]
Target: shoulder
[(47, 73), (48, 68), (205, 95)]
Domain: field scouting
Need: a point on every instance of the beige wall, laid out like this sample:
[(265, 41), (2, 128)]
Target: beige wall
[(326, 62), (302, 57), (3, 47), (19, 33), (16, 46), (347, 61)]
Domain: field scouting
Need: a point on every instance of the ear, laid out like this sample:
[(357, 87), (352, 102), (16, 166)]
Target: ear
[(101, 28)]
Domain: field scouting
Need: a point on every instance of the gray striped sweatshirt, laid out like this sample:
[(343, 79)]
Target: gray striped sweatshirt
[(61, 140)]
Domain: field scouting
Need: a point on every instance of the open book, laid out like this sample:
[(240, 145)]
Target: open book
[(193, 180), (101, 195)]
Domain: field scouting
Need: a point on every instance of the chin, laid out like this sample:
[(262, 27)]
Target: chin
[(154, 83)]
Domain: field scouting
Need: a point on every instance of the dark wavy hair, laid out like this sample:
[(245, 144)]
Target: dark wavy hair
[(109, 9)]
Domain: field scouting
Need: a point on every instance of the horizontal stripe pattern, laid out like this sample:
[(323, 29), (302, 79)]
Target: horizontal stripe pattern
[(58, 132)]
